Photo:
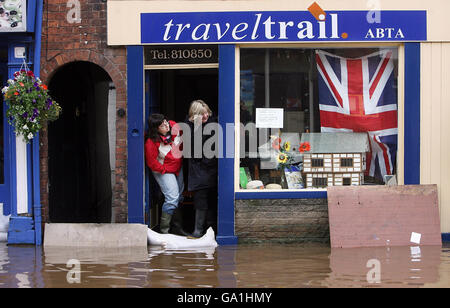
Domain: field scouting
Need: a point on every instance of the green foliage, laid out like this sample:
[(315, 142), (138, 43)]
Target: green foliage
[(29, 104)]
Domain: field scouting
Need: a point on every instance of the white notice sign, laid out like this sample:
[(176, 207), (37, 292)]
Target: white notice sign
[(269, 117)]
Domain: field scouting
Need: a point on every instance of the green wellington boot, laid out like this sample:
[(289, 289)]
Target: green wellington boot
[(164, 224)]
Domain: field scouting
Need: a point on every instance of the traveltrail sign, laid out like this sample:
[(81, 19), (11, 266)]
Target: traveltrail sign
[(283, 26)]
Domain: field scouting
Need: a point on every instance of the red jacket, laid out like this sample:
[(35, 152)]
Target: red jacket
[(165, 158)]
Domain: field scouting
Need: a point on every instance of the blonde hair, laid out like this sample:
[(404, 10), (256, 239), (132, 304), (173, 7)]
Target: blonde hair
[(198, 108)]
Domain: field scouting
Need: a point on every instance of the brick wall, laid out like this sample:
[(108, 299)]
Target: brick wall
[(72, 32), (282, 220)]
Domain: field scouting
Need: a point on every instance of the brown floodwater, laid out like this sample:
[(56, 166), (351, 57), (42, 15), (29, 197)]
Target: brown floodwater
[(240, 266)]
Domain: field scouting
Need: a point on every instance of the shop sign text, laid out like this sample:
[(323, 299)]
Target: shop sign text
[(281, 26)]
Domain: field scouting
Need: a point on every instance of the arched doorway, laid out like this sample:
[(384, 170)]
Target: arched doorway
[(81, 145)]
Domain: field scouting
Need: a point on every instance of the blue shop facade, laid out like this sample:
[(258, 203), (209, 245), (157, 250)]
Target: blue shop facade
[(250, 45), (248, 64), (20, 46)]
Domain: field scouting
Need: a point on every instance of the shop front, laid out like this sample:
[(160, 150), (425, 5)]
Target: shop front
[(20, 30), (308, 96)]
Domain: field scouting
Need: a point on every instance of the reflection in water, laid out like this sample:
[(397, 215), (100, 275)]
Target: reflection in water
[(275, 266)]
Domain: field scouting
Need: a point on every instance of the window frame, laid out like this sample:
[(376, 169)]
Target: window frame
[(317, 192)]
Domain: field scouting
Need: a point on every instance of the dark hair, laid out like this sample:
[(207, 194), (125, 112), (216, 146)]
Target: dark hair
[(154, 121)]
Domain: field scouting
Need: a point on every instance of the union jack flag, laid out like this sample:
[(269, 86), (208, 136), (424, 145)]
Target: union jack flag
[(358, 95)]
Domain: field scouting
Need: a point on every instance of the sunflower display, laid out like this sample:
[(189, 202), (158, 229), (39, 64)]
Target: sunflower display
[(287, 146), (284, 153), (282, 158)]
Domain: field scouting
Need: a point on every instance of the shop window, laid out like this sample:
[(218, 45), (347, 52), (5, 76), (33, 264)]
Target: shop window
[(299, 101)]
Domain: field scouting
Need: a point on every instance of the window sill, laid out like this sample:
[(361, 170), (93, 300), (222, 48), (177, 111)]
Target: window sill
[(318, 193)]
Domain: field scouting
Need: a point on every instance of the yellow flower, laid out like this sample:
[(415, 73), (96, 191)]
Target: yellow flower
[(282, 158), (287, 146)]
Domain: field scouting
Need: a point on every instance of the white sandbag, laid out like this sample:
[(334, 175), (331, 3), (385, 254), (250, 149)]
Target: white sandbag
[(4, 220), (3, 237), (172, 241)]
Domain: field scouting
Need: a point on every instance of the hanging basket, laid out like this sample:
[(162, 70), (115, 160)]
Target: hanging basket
[(29, 103)]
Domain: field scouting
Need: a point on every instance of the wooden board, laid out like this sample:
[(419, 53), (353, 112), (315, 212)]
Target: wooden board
[(366, 216)]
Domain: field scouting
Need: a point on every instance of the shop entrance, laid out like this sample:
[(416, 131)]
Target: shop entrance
[(81, 145), (170, 92)]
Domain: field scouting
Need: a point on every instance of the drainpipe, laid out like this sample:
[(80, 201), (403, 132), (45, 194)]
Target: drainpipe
[(37, 207)]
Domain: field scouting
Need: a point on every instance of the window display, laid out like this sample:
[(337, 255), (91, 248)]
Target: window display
[(301, 108)]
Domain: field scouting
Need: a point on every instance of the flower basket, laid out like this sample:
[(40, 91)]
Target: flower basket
[(29, 104)]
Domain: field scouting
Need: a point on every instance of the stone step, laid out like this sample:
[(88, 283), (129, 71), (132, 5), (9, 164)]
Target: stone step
[(95, 235)]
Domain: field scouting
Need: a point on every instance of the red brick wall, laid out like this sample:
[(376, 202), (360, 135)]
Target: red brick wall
[(64, 42)]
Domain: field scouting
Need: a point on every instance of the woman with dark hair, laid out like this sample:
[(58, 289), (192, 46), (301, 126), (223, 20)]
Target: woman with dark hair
[(163, 155)]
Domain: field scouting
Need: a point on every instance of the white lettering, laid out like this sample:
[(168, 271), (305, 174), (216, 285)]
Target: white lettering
[(268, 28), (219, 31), (181, 27), (334, 26), (373, 275), (189, 298), (74, 14), (380, 32), (255, 28), (389, 32), (399, 34), (374, 15), (242, 297), (308, 30), (369, 34), (205, 35), (166, 33), (213, 144), (283, 27), (322, 33), (74, 275), (236, 30)]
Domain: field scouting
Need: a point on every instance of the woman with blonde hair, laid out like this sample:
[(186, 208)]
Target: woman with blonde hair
[(202, 176)]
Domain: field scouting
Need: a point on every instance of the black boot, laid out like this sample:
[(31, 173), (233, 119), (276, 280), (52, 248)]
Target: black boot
[(200, 219), (177, 223), (211, 219)]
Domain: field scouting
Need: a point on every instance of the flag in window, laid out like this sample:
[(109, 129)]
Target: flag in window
[(358, 95)]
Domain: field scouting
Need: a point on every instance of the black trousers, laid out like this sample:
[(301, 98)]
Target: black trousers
[(205, 198)]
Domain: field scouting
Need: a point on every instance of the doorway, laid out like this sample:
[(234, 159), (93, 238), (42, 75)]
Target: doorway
[(170, 92), (81, 145)]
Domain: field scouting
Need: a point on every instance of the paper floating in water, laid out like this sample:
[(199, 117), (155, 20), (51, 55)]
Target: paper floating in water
[(415, 237)]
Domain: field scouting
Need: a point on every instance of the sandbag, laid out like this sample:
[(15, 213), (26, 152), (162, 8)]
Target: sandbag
[(172, 241), (3, 237)]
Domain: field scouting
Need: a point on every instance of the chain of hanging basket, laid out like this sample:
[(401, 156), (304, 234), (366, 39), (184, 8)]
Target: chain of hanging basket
[(29, 103)]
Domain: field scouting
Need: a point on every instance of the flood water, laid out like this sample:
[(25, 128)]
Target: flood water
[(240, 266)]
